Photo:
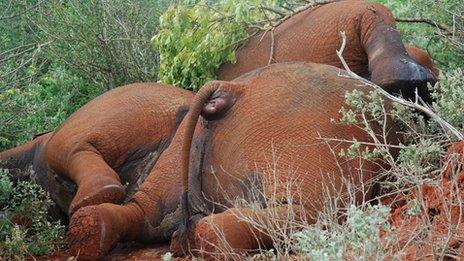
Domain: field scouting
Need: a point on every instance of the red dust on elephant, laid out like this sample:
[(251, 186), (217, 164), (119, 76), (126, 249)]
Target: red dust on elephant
[(110, 142), (282, 108), (374, 48)]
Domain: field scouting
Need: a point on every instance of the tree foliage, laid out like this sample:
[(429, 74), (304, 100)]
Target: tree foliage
[(436, 26), (56, 55), (195, 39)]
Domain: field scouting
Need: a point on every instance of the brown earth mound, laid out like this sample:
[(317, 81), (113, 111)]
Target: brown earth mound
[(430, 223)]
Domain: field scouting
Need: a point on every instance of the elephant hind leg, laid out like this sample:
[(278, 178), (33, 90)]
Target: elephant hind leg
[(232, 232), (96, 181), (390, 66)]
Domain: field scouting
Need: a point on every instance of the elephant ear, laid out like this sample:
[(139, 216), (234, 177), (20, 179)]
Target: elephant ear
[(219, 103)]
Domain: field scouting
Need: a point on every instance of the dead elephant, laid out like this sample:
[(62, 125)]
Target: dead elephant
[(374, 47), (282, 108)]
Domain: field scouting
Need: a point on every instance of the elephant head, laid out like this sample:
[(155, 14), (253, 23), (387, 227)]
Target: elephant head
[(374, 48), (273, 116)]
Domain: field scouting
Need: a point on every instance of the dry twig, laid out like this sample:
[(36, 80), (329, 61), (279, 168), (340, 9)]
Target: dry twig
[(301, 9)]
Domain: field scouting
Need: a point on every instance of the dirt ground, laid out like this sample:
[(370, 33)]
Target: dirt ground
[(440, 217), (122, 252)]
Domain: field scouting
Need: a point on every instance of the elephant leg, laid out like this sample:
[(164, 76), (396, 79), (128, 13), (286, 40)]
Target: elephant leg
[(95, 230), (390, 66), (232, 232), (96, 181)]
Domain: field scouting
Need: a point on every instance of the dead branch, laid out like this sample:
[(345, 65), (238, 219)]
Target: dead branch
[(440, 26), (360, 142), (415, 105), (271, 56), (267, 8)]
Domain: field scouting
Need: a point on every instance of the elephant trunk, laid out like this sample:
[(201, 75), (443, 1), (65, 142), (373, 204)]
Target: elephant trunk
[(390, 66)]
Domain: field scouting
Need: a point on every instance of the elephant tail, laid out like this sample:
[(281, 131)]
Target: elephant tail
[(21, 157), (211, 102)]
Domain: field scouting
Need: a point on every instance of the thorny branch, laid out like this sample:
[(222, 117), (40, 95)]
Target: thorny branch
[(415, 105), (301, 9)]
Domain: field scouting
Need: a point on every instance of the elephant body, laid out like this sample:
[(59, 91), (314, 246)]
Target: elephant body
[(112, 140), (262, 126), (373, 46)]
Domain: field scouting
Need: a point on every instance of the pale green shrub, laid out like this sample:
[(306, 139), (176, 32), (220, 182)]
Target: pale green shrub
[(358, 237)]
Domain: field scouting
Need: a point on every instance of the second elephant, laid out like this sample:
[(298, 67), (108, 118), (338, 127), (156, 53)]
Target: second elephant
[(374, 48)]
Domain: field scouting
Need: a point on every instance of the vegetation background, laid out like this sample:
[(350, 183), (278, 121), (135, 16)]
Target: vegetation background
[(55, 55)]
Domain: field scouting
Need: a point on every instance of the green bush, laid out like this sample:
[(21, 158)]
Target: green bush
[(449, 97), (42, 105), (106, 42), (6, 188), (358, 237), (195, 39), (24, 227), (57, 55)]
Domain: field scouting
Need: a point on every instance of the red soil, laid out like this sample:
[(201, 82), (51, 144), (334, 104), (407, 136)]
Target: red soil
[(440, 220), (122, 252)]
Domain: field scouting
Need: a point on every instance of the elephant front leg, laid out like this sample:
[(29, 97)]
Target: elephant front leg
[(235, 231), (96, 181), (95, 230)]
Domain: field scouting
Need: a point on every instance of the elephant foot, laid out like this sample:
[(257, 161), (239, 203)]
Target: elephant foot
[(97, 191), (203, 240), (182, 240), (221, 236), (95, 230), (402, 76)]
